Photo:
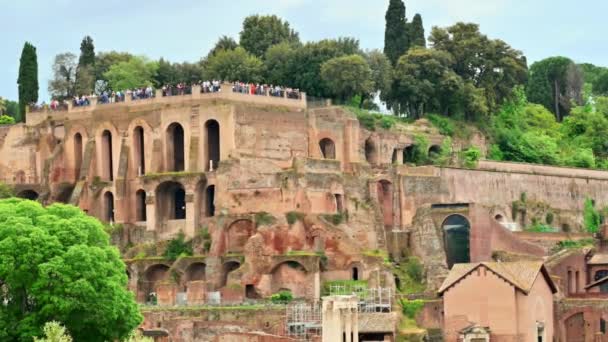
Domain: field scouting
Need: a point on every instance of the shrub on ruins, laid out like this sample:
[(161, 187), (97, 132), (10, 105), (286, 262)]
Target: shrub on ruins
[(6, 120), (6, 191), (56, 264), (470, 157), (178, 247), (281, 297), (591, 216)]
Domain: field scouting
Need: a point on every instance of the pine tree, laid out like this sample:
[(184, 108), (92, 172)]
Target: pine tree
[(28, 78), (85, 74), (416, 32), (396, 42)]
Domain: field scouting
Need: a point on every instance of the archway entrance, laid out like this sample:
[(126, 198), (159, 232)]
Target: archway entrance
[(138, 149), (175, 147), (106, 155), (456, 232), (209, 201), (328, 148), (77, 155), (28, 194), (370, 151), (227, 268), (212, 130), (171, 201), (108, 201), (140, 206), (409, 154)]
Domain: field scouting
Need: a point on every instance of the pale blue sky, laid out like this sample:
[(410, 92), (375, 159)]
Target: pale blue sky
[(185, 30)]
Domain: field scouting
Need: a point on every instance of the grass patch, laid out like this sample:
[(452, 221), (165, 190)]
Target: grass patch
[(572, 244), (377, 253)]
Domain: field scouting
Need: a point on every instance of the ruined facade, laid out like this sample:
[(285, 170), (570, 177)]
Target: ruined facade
[(277, 195)]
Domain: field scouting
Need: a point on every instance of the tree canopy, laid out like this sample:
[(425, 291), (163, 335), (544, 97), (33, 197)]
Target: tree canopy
[(62, 85), (134, 73), (347, 76), (416, 32), (56, 263), (396, 41), (261, 32), (234, 65), (28, 78)]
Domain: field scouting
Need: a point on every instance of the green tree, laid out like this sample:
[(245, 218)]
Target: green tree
[(416, 32), (54, 332), (62, 85), (382, 71), (234, 65), (166, 73), (491, 65), (104, 60), (556, 83), (56, 263), (85, 73), (87, 52), (11, 108), (396, 41), (28, 78), (135, 73), (600, 83), (278, 63), (261, 32), (347, 76), (224, 43)]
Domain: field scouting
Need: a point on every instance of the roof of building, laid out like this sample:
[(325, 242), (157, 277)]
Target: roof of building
[(520, 274), (598, 259)]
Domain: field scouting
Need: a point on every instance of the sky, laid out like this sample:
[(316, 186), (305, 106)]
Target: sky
[(186, 30)]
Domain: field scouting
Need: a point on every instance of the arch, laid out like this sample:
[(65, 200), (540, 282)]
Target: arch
[(237, 235), (196, 272), (456, 231), (77, 155), (212, 144), (175, 147), (384, 191), (328, 148), (153, 275), (575, 328), (228, 267), (107, 163), (291, 263), (170, 201), (139, 150), (409, 154), (28, 194), (210, 201), (370, 151), (355, 273), (434, 151), (140, 206), (108, 206), (289, 275)]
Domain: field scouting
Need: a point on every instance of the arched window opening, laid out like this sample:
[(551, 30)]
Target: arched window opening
[(28, 194), (434, 151), (139, 150), (408, 154), (456, 231), (339, 203), (355, 273), (140, 206), (77, 155), (175, 147), (171, 201), (106, 155), (212, 130), (154, 275), (108, 200), (228, 267), (328, 148), (210, 201), (370, 151)]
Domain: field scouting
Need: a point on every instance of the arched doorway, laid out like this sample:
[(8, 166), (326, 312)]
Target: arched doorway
[(370, 151), (106, 155), (28, 194), (212, 133), (328, 148), (154, 275), (575, 328), (228, 267), (77, 155), (355, 273), (140, 206), (170, 201), (196, 271), (210, 201), (456, 232), (139, 150), (175, 147), (108, 206), (409, 154)]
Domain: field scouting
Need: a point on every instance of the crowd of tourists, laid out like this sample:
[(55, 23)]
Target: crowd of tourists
[(179, 89), (265, 90), (210, 86)]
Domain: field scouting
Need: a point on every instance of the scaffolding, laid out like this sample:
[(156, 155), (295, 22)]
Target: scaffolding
[(303, 321), (377, 300)]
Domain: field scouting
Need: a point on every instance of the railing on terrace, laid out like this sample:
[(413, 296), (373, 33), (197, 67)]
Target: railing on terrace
[(228, 91)]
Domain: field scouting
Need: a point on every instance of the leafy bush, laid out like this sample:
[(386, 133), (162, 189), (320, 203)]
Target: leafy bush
[(281, 297), (178, 247), (443, 157), (264, 219), (591, 217), (541, 228), (294, 216), (6, 120), (470, 157), (336, 219), (6, 191), (443, 124), (410, 308), (387, 122), (413, 269)]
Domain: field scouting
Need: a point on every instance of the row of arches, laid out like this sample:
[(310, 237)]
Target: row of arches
[(170, 202), (174, 149)]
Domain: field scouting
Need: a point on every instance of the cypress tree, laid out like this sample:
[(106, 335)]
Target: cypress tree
[(416, 32), (28, 78), (396, 42), (85, 74)]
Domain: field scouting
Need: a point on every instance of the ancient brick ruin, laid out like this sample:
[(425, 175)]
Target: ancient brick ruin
[(278, 195)]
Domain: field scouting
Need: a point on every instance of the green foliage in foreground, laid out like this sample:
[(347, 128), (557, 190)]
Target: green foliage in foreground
[(54, 332), (6, 120), (56, 264)]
